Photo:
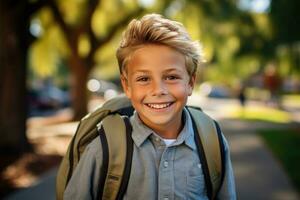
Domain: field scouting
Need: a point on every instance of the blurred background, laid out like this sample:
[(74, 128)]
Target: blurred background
[(57, 63)]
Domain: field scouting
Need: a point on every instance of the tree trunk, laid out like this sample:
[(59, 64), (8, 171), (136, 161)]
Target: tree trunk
[(79, 77), (13, 48)]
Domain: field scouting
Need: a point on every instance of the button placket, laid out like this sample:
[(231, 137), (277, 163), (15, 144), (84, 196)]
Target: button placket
[(166, 164), (166, 176)]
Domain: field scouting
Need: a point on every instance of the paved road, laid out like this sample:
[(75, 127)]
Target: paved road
[(44, 189), (258, 174)]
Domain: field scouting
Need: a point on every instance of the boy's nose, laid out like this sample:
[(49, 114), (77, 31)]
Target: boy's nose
[(159, 88)]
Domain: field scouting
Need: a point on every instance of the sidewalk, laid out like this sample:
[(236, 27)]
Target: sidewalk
[(44, 189), (258, 174)]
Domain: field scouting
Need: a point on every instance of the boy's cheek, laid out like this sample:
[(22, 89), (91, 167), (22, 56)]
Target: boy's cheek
[(128, 92), (126, 87), (190, 91), (191, 85)]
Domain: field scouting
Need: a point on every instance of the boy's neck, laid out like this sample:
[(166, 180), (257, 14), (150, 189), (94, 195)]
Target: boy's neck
[(170, 132)]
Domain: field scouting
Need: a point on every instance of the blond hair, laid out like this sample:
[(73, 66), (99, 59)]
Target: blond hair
[(155, 29)]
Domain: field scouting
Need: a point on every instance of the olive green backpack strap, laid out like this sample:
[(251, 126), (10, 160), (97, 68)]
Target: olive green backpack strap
[(209, 142), (117, 146), (85, 133)]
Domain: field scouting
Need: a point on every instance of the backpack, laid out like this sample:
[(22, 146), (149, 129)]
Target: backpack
[(111, 123)]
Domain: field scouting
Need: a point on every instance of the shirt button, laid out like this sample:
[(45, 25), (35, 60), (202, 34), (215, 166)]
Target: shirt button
[(166, 164), (157, 139), (199, 166)]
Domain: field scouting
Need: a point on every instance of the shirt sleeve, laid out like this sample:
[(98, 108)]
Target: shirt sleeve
[(85, 178), (227, 190)]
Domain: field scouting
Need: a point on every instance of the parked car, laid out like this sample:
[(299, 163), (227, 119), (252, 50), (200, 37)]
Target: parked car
[(215, 91), (102, 88), (47, 100)]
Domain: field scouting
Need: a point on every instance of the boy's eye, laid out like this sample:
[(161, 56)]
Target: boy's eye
[(172, 77), (142, 79)]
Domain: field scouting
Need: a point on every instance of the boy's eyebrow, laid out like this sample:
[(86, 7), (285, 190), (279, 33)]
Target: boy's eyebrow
[(173, 70), (141, 71)]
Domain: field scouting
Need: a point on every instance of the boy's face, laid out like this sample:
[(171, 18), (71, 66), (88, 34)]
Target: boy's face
[(158, 84)]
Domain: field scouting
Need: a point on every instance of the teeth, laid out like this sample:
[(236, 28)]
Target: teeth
[(159, 106)]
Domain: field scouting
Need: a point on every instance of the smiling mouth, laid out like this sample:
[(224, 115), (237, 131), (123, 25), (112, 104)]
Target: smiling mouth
[(159, 105)]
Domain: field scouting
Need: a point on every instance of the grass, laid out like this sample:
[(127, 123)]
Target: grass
[(285, 144), (262, 113), (292, 99)]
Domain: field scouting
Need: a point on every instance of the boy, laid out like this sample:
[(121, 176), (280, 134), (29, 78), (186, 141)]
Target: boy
[(158, 62)]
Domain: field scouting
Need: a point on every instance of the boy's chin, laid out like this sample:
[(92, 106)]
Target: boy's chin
[(157, 120)]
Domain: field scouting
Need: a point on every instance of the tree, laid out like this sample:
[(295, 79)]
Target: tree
[(14, 42), (80, 66), (285, 20), (236, 42)]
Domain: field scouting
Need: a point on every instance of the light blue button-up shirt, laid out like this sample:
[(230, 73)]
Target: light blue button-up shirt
[(158, 171)]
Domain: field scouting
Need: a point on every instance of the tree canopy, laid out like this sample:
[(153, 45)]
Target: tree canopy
[(237, 42)]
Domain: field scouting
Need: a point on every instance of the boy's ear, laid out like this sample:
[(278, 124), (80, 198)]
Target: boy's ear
[(125, 86), (191, 84)]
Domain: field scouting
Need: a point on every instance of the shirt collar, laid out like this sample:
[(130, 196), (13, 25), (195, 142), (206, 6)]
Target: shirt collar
[(141, 132), (187, 133)]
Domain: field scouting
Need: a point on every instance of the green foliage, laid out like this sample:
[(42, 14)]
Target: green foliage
[(236, 43), (261, 114), (54, 44), (47, 52), (292, 100), (286, 19), (285, 145), (247, 64), (107, 14), (75, 17), (107, 65)]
